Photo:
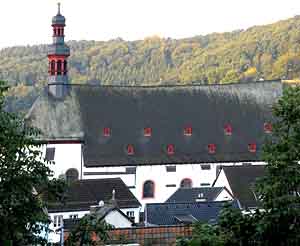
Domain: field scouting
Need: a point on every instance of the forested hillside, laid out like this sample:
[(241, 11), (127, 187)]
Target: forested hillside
[(261, 52)]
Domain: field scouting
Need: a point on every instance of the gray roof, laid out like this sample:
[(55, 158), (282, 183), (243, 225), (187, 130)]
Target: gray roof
[(82, 194), (167, 110), (183, 213), (242, 181), (192, 194)]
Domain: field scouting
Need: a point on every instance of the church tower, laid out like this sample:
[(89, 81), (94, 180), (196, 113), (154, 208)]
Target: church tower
[(58, 53)]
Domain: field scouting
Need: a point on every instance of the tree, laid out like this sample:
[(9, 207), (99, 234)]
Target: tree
[(24, 177), (89, 228), (279, 189)]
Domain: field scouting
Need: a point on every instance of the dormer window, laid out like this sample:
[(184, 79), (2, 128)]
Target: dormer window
[(106, 131), (170, 149), (147, 132), (252, 147), (228, 130), (211, 148), (267, 127), (188, 131), (130, 149)]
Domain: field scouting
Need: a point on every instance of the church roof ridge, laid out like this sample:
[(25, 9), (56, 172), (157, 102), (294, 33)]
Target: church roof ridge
[(193, 85)]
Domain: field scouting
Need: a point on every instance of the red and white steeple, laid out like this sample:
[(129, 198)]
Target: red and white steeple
[(58, 52)]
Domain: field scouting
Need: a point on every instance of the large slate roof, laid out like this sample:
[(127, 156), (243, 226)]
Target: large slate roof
[(242, 181), (167, 110), (178, 213), (192, 194), (82, 194)]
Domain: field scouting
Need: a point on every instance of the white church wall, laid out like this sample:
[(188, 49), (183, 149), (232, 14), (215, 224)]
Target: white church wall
[(66, 156), (166, 183)]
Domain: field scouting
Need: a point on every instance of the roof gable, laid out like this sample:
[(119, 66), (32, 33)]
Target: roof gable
[(242, 181)]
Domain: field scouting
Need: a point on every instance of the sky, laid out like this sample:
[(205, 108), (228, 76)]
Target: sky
[(27, 22)]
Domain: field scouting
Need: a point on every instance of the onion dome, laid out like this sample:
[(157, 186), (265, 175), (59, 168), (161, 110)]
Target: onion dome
[(58, 19)]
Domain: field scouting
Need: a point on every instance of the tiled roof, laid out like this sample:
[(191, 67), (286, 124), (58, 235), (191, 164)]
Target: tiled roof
[(178, 213), (85, 193), (126, 111), (242, 182), (194, 194)]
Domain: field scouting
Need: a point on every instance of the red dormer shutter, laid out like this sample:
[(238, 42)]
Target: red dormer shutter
[(170, 149), (188, 131), (228, 130), (252, 147), (147, 132), (267, 127), (130, 149), (106, 131), (211, 148)]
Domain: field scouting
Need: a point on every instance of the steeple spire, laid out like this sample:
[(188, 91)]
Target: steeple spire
[(58, 8), (58, 53)]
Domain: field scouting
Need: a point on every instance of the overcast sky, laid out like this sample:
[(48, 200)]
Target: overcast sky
[(27, 22)]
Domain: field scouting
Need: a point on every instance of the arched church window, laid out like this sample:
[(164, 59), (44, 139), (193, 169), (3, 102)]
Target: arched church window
[(186, 183), (59, 67), (148, 189), (72, 175)]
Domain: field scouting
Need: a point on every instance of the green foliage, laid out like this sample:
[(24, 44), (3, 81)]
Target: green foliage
[(268, 52), (89, 229), (279, 189), (24, 177)]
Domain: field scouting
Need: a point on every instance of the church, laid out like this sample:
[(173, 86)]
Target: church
[(155, 138)]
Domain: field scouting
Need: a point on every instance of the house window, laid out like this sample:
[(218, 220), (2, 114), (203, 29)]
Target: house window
[(188, 131), (211, 148), (171, 169), (147, 132), (106, 131), (205, 167), (186, 183), (148, 189), (73, 216), (58, 220), (267, 127), (228, 130), (170, 149), (130, 149), (130, 215), (50, 153), (252, 147)]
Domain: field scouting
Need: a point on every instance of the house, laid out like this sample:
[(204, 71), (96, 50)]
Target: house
[(240, 182), (110, 213), (156, 138), (159, 214), (200, 194), (82, 195)]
